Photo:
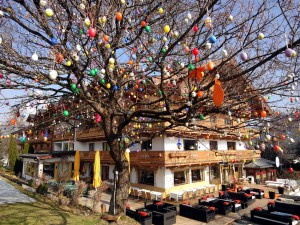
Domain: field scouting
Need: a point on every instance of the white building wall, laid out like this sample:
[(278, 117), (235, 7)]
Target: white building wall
[(170, 143), (160, 178), (169, 178), (134, 175), (158, 144), (203, 144), (206, 174), (222, 144), (81, 146)]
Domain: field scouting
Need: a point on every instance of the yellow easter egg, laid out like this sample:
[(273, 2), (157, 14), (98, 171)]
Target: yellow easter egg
[(167, 29)]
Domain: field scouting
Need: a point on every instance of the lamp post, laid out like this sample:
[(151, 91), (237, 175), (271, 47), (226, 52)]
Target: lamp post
[(116, 173)]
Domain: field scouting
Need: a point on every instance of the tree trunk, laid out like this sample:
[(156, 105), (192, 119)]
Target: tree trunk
[(120, 193)]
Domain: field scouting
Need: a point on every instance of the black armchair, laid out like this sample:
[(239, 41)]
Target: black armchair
[(164, 217), (144, 218)]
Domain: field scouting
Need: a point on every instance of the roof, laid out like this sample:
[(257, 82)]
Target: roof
[(36, 156), (260, 164)]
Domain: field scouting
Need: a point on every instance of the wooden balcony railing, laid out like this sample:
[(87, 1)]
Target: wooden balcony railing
[(89, 134), (63, 137), (39, 139), (178, 158)]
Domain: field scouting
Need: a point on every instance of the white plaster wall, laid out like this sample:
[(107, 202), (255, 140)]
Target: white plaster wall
[(170, 143), (81, 146), (40, 169), (206, 174), (240, 145), (169, 178), (111, 172), (98, 145), (203, 144), (160, 177), (158, 144), (133, 175), (222, 144)]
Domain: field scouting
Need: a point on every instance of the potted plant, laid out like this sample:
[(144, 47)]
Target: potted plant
[(280, 190), (272, 194)]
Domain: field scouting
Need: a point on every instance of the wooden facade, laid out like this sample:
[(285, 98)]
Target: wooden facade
[(171, 159)]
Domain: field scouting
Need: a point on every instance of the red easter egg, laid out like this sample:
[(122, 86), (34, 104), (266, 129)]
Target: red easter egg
[(92, 32)]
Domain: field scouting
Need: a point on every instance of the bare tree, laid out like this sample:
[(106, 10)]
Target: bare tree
[(146, 66)]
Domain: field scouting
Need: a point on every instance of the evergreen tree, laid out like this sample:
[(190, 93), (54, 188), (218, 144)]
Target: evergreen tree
[(26, 148), (13, 152)]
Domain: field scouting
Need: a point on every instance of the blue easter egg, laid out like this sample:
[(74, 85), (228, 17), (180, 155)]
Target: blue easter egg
[(53, 41), (212, 39)]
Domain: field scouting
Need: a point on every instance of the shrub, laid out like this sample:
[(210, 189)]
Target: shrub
[(30, 183), (42, 189)]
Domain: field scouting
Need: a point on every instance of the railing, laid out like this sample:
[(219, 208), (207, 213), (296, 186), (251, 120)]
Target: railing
[(178, 158), (89, 133), (63, 137), (39, 139)]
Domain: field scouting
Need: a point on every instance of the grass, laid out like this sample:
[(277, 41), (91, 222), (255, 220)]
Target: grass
[(44, 211)]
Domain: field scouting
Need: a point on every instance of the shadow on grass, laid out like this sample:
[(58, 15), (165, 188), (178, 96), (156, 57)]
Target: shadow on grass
[(43, 211)]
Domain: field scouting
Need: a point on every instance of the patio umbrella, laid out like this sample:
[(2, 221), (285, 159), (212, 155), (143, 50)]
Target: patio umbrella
[(76, 165), (97, 178)]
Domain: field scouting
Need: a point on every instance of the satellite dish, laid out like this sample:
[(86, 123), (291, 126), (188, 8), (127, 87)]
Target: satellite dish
[(277, 161)]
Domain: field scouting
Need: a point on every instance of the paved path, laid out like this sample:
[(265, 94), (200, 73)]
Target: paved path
[(8, 194)]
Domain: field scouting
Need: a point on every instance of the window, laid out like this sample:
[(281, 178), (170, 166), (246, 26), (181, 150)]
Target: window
[(146, 177), (213, 145), (214, 172), (105, 146), (65, 146), (147, 145), (179, 177), (91, 147), (190, 145), (231, 145), (104, 172), (213, 119), (228, 122), (196, 175)]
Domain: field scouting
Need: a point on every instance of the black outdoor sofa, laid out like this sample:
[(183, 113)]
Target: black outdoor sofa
[(197, 212), (245, 198), (266, 217), (223, 206), (286, 207), (157, 205)]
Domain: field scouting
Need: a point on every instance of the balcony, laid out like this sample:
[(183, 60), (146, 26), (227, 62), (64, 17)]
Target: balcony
[(39, 139), (63, 137), (178, 158), (89, 134)]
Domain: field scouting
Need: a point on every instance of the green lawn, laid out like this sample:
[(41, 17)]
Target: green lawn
[(43, 212)]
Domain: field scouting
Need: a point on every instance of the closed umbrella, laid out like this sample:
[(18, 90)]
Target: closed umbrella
[(97, 178), (76, 165)]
